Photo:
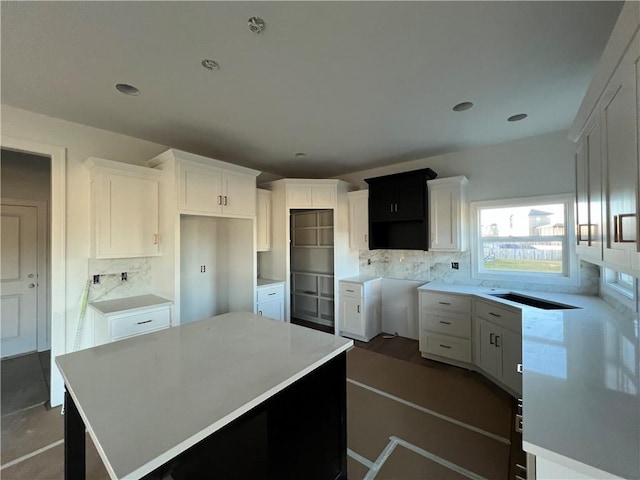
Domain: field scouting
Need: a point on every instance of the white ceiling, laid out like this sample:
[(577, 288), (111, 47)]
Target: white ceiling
[(355, 85)]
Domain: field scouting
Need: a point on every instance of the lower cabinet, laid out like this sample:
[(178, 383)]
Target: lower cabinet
[(270, 300), (498, 353), (360, 308), (115, 320)]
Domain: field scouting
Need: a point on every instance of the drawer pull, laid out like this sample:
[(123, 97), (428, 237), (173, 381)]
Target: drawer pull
[(269, 294), (494, 314), (146, 321), (445, 346), (521, 467), (350, 290), (518, 477), (519, 423), (444, 303), (446, 323)]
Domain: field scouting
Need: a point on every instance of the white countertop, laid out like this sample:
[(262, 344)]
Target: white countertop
[(263, 282), (359, 279), (129, 303), (581, 380), (147, 398)]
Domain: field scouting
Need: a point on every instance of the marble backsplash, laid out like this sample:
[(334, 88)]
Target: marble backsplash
[(111, 286), (436, 266)]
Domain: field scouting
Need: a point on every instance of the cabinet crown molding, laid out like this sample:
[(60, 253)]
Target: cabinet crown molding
[(457, 180), (95, 164), (179, 155)]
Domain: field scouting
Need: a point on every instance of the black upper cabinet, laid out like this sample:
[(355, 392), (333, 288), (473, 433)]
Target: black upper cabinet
[(398, 210)]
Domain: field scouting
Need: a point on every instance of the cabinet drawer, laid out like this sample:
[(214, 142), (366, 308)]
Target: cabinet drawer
[(445, 302), (351, 290), (456, 325), (446, 346), (270, 293), (498, 314), (131, 325)]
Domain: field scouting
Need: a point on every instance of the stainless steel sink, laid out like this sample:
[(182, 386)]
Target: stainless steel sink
[(532, 301)]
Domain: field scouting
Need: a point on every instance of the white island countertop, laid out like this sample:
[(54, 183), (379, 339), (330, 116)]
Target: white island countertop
[(147, 398), (581, 381)]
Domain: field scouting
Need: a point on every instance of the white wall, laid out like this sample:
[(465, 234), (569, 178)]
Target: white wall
[(25, 176), (80, 142)]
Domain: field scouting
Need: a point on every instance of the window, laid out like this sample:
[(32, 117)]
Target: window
[(525, 240), (619, 282)]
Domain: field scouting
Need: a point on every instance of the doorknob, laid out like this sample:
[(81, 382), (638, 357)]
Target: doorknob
[(31, 285)]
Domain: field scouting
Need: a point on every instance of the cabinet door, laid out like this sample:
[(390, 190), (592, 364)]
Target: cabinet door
[(299, 196), (323, 196), (410, 203), (239, 196), (582, 198), (382, 200), (263, 220), (200, 189), (127, 212), (486, 351), (444, 218), (619, 123), (510, 355), (351, 316), (271, 309), (358, 223), (594, 162)]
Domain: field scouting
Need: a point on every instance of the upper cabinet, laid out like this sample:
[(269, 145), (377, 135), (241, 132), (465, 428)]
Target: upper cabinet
[(398, 210), (205, 186), (607, 163), (263, 221), (311, 195), (447, 214), (124, 209), (359, 220)]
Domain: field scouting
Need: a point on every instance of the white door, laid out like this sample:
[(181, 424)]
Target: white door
[(272, 309), (239, 196), (351, 316), (19, 299)]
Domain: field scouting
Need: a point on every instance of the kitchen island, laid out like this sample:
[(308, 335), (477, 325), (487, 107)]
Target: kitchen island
[(169, 400)]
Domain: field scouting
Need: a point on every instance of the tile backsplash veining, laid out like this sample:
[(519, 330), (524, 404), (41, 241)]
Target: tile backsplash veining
[(436, 266), (110, 286)]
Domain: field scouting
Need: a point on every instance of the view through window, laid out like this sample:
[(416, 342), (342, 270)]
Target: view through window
[(523, 238)]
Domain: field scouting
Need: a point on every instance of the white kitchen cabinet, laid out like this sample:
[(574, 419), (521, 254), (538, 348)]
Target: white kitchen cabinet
[(270, 300), (588, 160), (498, 343), (263, 220), (311, 195), (445, 327), (360, 308), (359, 220), (620, 154), (210, 190), (128, 317), (447, 214), (124, 209)]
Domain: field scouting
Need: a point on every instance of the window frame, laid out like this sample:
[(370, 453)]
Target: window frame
[(570, 271), (620, 289)]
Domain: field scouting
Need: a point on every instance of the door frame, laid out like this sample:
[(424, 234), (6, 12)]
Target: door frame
[(57, 250), (43, 335)]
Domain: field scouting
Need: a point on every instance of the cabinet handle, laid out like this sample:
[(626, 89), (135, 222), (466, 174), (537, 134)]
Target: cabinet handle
[(396, 208), (497, 338), (444, 303), (155, 238), (365, 238), (519, 368), (519, 423), (491, 339), (494, 314), (391, 207), (219, 199), (358, 308), (225, 200), (521, 467), (445, 346), (446, 323), (518, 477), (259, 312), (146, 321)]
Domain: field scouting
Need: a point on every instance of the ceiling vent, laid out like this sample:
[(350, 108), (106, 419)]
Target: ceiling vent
[(256, 25)]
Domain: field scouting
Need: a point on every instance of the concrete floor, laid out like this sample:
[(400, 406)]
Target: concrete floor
[(24, 381)]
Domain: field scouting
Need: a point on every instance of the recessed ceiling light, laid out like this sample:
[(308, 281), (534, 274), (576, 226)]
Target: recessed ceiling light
[(127, 89), (210, 64), (517, 118), (256, 25), (461, 107), (300, 155)]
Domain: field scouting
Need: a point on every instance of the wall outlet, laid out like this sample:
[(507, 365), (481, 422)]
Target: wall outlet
[(455, 265), (96, 279), (123, 277)]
